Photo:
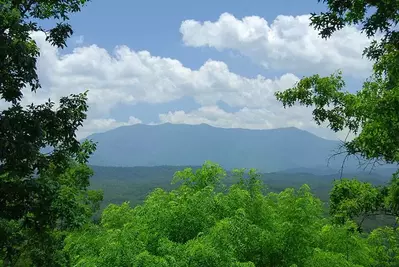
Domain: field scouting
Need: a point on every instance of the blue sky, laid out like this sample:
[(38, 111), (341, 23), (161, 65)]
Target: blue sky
[(234, 89), (154, 26)]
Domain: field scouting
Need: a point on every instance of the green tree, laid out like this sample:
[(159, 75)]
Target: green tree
[(25, 130), (61, 202), (372, 113), (385, 246), (41, 194), (216, 225), (356, 200)]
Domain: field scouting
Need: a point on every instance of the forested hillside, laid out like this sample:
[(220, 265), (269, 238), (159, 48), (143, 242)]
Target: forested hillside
[(133, 184), (57, 210), (204, 221)]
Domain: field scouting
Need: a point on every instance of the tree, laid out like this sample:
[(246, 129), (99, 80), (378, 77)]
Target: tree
[(372, 113), (203, 223), (60, 203), (25, 130), (384, 243), (32, 182)]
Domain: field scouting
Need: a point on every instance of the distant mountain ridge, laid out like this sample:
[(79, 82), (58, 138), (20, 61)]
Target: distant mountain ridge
[(190, 145)]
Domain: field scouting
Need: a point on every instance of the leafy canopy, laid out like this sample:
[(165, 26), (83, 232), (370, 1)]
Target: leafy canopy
[(25, 130), (215, 225), (41, 194), (372, 113)]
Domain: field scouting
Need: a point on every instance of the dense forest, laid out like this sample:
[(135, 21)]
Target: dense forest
[(120, 184), (133, 184), (207, 217)]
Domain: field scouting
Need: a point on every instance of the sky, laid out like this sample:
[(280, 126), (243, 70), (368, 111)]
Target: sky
[(215, 62)]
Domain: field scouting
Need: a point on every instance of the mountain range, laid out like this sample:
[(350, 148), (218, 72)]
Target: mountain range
[(187, 145)]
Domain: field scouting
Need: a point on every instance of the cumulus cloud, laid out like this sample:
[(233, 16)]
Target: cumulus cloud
[(288, 43), (260, 118), (130, 77), (126, 76), (102, 125)]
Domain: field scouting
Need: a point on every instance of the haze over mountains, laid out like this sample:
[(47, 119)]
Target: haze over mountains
[(183, 145)]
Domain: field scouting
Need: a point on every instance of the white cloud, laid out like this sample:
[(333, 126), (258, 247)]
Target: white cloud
[(244, 118), (129, 77), (247, 118), (289, 43), (102, 125)]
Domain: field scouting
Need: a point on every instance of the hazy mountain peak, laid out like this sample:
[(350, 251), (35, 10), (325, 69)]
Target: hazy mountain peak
[(182, 144)]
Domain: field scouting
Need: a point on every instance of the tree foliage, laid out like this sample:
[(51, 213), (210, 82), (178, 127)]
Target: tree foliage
[(45, 206), (372, 113), (18, 54), (203, 223), (24, 130), (59, 203), (240, 225), (41, 194)]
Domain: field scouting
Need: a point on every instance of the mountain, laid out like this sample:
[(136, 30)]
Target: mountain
[(183, 145)]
